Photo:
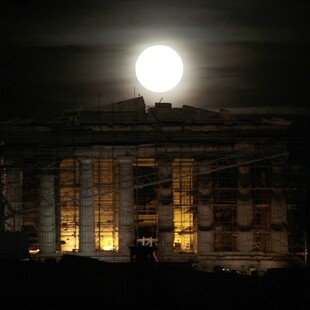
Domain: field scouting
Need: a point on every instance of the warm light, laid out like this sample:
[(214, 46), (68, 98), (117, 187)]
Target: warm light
[(36, 251), (159, 68), (108, 246), (183, 202)]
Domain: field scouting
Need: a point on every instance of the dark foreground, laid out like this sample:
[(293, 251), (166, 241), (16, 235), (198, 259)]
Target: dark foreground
[(81, 283)]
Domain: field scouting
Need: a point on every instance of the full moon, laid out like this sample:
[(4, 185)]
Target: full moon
[(159, 68)]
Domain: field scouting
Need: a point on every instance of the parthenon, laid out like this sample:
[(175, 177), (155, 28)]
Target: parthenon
[(199, 185)]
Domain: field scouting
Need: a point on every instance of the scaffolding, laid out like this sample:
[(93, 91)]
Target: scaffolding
[(235, 177), (183, 201), (106, 200), (106, 211)]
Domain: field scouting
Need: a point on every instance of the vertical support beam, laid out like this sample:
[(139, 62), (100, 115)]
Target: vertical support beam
[(126, 211), (245, 213), (2, 193), (57, 207), (244, 241), (279, 242), (165, 208), (205, 211), (47, 231), (278, 218), (87, 217), (13, 194)]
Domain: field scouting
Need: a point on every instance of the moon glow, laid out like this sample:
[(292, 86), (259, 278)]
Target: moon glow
[(159, 68)]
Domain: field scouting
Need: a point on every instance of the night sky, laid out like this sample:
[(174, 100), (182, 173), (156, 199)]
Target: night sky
[(247, 56)]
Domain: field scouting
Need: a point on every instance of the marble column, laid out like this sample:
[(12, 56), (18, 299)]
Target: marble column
[(47, 231), (278, 218), (87, 214), (205, 212), (13, 195), (165, 208), (126, 209), (245, 213), (2, 193)]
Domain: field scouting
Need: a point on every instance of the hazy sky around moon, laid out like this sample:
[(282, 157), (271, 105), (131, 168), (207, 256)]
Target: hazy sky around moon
[(243, 55)]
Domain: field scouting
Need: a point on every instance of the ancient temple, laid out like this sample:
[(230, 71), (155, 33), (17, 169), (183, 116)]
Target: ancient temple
[(198, 185)]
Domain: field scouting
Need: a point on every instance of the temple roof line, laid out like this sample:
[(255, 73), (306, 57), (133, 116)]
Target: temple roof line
[(135, 112)]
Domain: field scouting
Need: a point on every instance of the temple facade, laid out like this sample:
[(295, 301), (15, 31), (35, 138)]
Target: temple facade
[(197, 185)]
